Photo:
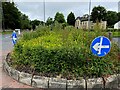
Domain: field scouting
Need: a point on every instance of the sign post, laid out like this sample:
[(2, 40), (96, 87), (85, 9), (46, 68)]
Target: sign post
[(18, 30)]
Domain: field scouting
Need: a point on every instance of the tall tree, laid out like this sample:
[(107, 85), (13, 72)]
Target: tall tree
[(118, 14), (71, 19), (112, 18), (11, 15), (25, 22), (49, 21), (59, 17), (98, 13), (35, 23)]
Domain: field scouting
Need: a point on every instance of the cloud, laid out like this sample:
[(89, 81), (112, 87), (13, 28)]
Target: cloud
[(35, 10)]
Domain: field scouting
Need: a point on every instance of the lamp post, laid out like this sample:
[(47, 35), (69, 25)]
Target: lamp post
[(2, 26), (89, 16), (44, 12), (85, 77)]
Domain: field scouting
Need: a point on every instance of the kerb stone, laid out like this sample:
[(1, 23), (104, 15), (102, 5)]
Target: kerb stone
[(40, 82), (57, 83), (25, 78), (75, 84)]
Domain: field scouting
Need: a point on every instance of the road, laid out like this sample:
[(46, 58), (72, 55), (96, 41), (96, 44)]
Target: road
[(6, 81), (117, 40)]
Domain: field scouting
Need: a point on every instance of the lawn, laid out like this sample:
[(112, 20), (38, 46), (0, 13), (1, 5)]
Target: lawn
[(6, 32), (116, 34)]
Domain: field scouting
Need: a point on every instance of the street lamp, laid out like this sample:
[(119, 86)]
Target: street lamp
[(44, 12), (3, 28), (89, 16)]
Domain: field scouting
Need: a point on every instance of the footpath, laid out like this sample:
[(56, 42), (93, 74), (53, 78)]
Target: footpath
[(5, 80)]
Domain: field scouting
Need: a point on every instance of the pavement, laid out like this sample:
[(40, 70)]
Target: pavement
[(5, 80)]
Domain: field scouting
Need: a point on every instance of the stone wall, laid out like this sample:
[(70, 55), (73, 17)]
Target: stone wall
[(112, 82)]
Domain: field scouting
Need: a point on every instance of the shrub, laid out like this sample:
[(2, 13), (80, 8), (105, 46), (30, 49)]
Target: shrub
[(65, 52)]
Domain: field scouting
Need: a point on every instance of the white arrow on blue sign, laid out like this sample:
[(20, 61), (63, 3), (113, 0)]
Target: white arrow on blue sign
[(100, 46)]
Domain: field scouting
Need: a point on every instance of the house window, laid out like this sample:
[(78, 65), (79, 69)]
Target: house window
[(78, 23)]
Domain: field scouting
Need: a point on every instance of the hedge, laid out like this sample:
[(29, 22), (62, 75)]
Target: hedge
[(64, 52)]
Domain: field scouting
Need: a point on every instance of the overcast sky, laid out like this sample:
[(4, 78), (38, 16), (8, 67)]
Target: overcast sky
[(35, 9)]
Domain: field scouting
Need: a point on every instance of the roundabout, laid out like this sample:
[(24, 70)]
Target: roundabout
[(37, 81)]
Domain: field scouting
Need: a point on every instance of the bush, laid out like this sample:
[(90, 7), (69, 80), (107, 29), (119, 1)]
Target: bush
[(65, 52)]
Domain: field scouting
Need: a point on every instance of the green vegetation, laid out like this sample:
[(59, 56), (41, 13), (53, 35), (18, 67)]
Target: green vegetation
[(6, 32), (63, 52), (100, 13), (71, 19), (59, 17), (14, 19), (60, 50), (111, 18), (116, 34), (11, 15), (49, 21)]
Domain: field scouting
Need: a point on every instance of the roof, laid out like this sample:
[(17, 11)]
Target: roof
[(82, 18)]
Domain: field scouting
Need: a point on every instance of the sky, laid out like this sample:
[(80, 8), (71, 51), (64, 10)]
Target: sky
[(35, 8)]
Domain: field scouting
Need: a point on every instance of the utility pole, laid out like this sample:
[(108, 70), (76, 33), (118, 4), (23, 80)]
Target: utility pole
[(0, 16), (89, 16), (2, 26), (44, 11), (119, 6), (87, 61)]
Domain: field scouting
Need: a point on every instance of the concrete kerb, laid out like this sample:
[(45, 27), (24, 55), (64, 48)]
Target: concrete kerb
[(57, 83), (113, 81), (40, 81), (76, 84), (49, 82), (25, 78), (95, 83)]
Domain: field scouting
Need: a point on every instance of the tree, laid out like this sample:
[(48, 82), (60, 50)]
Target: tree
[(98, 13), (13, 18), (49, 21), (11, 15), (71, 19), (25, 22), (118, 14), (35, 23), (111, 18), (59, 17)]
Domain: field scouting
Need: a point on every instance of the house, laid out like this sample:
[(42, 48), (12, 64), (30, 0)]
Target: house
[(117, 25), (83, 23)]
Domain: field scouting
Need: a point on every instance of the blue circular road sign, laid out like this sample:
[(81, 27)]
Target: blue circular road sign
[(100, 46)]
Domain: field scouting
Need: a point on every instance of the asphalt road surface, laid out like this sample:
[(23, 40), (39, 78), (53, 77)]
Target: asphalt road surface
[(117, 40)]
